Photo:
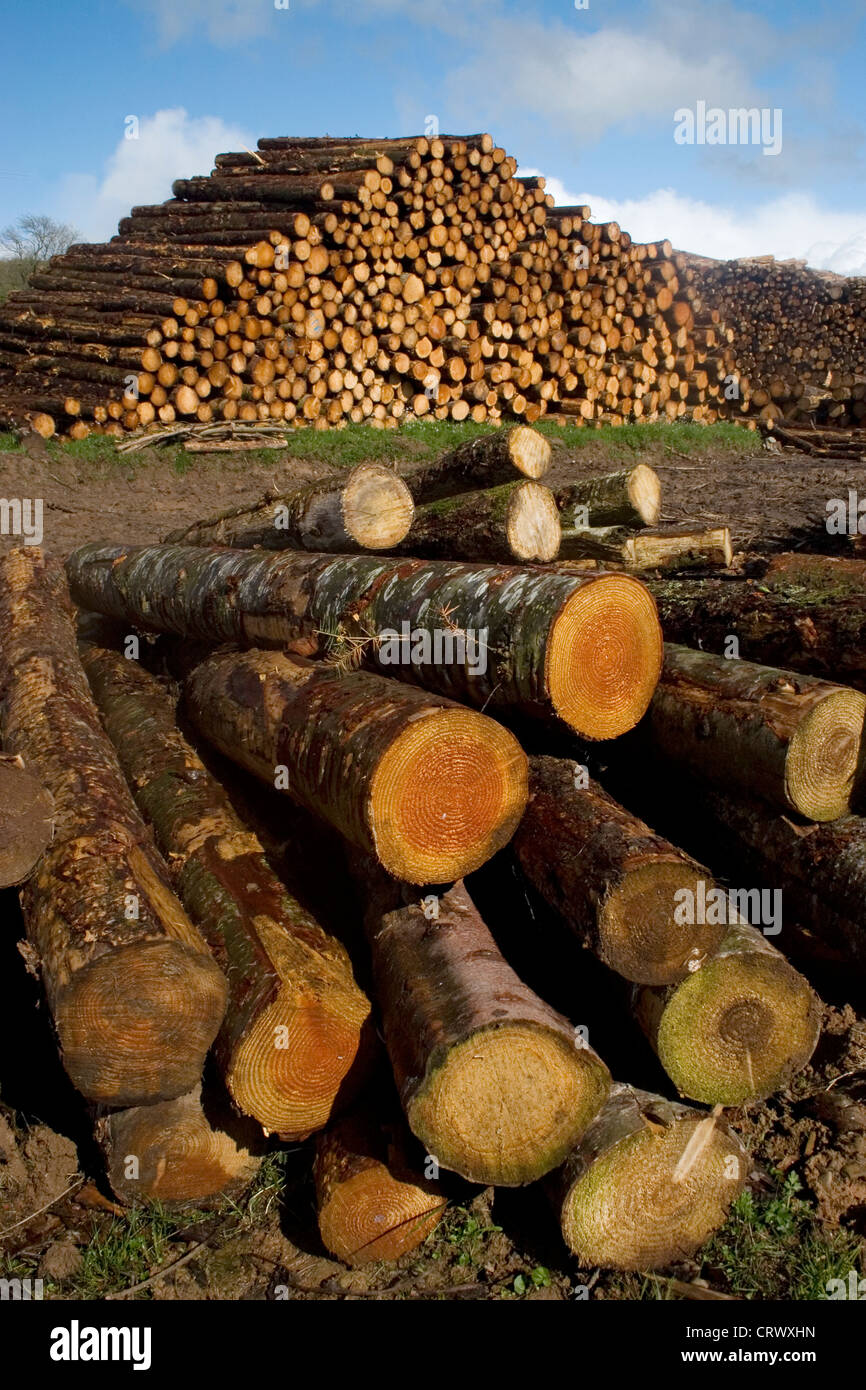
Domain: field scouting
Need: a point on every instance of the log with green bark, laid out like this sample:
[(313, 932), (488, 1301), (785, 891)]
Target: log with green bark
[(432, 789), (741, 1026), (583, 650), (135, 994), (516, 521), (609, 877), (648, 1183), (174, 1152), (494, 1083), (807, 613), (793, 740), (488, 461), (371, 509), (296, 1032), (629, 498), (372, 1198), (26, 820)]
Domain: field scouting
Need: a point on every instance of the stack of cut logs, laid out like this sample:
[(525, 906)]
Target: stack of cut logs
[(383, 694), (323, 281)]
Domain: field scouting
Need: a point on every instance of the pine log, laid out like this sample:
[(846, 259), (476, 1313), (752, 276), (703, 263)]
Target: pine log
[(494, 1083), (295, 1032), (430, 788), (373, 1201), (583, 650), (26, 820), (609, 877), (739, 1028), (516, 521), (793, 740), (484, 462), (135, 995), (648, 1183), (629, 498), (371, 510), (171, 1153)]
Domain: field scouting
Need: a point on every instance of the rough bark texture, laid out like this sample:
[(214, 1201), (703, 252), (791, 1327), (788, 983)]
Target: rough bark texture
[(629, 498), (791, 739), (371, 509), (373, 1201), (485, 462), (26, 820), (294, 1037), (648, 1183), (582, 649), (739, 1028), (516, 521), (610, 877), (136, 996), (673, 550), (493, 1081), (430, 788)]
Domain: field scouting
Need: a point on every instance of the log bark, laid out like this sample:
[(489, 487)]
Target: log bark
[(493, 1082), (648, 1183), (609, 877), (790, 739), (487, 461), (26, 820), (135, 995), (371, 510), (583, 650), (674, 550), (631, 497), (372, 1199), (430, 788), (516, 521), (295, 1036), (740, 1027)]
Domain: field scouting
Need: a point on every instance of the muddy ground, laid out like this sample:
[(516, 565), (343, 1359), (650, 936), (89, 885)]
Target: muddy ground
[(58, 1221)]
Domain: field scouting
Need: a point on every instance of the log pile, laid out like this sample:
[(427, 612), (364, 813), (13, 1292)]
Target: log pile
[(163, 931)]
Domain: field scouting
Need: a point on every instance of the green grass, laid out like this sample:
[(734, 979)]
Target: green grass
[(9, 442)]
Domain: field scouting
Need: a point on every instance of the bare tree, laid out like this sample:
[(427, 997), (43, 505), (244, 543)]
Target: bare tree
[(29, 243)]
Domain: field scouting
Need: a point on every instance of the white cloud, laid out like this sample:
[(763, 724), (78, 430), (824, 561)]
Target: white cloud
[(171, 144), (793, 226)]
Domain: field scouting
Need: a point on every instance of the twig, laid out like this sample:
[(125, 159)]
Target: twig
[(25, 1220), (146, 1283)]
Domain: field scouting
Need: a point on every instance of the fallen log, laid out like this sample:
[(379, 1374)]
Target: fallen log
[(134, 992), (373, 1203), (494, 1083), (609, 877), (582, 649), (648, 1183), (26, 821), (295, 1031), (488, 461), (171, 1153), (431, 789), (516, 521), (790, 739), (647, 550), (629, 498), (371, 510), (739, 1028)]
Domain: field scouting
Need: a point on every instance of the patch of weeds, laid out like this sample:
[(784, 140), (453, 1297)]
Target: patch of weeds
[(537, 1278), (129, 1249), (10, 443), (462, 1236), (96, 448)]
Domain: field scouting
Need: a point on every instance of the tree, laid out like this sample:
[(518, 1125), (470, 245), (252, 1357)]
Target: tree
[(29, 243)]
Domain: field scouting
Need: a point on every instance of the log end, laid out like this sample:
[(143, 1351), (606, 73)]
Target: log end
[(824, 755), (529, 451), (377, 507), (26, 821), (639, 935), (447, 795), (645, 493), (532, 525), (604, 656)]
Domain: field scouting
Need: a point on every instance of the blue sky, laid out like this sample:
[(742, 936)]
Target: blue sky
[(585, 96)]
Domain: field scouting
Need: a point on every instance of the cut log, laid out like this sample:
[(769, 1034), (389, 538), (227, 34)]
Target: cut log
[(485, 462), (740, 1027), (371, 510), (647, 550), (791, 739), (171, 1153), (134, 992), (610, 878), (648, 1183), (294, 1036), (373, 1201), (430, 788), (583, 650), (629, 498), (495, 1084), (516, 521), (26, 821)]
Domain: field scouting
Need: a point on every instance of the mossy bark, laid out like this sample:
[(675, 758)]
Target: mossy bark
[(487, 461)]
